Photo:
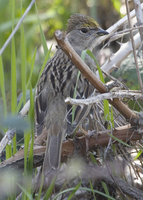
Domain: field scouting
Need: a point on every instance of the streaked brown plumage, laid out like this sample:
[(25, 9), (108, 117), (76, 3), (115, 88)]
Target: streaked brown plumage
[(57, 82)]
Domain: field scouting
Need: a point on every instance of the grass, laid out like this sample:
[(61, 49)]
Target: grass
[(25, 84)]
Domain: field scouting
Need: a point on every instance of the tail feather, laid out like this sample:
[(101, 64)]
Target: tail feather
[(53, 154)]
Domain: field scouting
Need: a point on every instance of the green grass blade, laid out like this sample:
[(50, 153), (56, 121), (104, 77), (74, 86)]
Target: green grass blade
[(74, 191), (23, 81), (29, 80), (50, 189), (19, 104), (93, 158), (82, 188), (8, 151), (31, 67), (26, 146), (25, 192), (106, 110), (105, 189), (23, 64), (40, 190), (118, 140), (112, 117), (91, 186), (83, 54), (13, 76), (31, 117), (138, 154), (29, 142), (98, 67), (43, 39), (13, 69), (2, 86)]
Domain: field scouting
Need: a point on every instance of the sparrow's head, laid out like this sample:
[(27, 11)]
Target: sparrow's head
[(82, 31)]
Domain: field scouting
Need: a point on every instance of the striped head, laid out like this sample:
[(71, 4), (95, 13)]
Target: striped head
[(82, 31)]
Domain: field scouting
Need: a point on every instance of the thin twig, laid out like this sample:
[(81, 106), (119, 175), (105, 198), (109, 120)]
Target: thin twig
[(127, 30), (119, 34), (115, 27), (133, 46), (139, 17), (17, 27)]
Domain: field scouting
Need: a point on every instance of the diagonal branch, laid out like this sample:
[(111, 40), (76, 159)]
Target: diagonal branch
[(90, 76)]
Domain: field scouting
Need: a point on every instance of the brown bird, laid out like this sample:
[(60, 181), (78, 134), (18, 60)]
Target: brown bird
[(57, 82)]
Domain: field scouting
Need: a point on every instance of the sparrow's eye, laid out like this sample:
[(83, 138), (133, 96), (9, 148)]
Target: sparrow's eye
[(84, 30)]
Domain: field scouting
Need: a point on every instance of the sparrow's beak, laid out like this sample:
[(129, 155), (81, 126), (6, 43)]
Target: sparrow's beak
[(101, 32)]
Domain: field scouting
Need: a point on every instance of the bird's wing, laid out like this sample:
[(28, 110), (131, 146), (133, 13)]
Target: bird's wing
[(50, 111), (75, 115), (44, 94)]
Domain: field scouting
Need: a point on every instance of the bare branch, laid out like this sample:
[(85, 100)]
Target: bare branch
[(111, 95)]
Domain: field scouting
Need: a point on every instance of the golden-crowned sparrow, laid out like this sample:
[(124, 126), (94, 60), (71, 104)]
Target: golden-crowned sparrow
[(57, 82)]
